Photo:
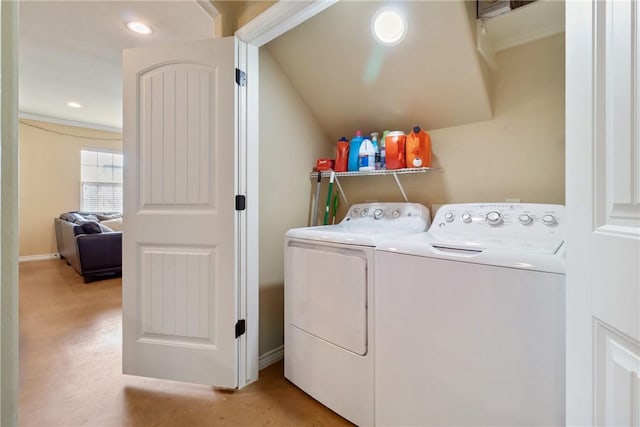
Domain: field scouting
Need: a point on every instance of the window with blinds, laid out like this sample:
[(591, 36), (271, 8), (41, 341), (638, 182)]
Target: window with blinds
[(101, 181)]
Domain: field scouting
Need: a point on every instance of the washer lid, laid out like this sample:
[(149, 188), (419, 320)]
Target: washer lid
[(544, 255), (475, 242)]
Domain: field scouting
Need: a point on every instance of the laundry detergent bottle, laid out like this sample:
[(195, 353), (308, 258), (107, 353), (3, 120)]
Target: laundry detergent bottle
[(342, 155), (367, 156), (395, 150), (418, 149), (383, 150), (354, 152), (376, 147)]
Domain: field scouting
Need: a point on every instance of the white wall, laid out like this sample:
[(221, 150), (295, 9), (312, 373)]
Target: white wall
[(290, 142)]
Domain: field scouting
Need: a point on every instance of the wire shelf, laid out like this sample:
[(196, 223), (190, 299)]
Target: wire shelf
[(392, 172), (327, 174)]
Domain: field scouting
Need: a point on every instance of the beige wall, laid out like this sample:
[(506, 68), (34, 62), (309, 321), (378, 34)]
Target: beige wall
[(236, 13), (290, 141), (250, 10), (518, 154), (50, 178)]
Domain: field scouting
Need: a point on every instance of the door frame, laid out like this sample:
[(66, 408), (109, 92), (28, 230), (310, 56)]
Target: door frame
[(9, 215), (579, 135), (273, 22)]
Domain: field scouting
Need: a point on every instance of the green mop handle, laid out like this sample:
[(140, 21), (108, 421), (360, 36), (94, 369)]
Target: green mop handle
[(328, 205)]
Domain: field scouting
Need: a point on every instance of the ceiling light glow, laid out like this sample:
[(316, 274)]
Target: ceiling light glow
[(74, 104), (389, 27), (139, 27)]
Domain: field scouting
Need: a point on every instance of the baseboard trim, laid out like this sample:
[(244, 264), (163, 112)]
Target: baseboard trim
[(29, 258), (271, 357)]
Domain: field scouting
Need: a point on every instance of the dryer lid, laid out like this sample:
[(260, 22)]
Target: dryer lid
[(367, 224), (341, 233)]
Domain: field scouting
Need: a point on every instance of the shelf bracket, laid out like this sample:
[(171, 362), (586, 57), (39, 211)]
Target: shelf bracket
[(395, 176), (341, 191), (394, 172)]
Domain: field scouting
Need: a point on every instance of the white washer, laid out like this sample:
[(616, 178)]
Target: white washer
[(470, 319), (329, 275)]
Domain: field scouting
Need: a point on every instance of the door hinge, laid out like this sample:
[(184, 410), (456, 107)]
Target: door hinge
[(241, 202), (241, 327), (241, 77)]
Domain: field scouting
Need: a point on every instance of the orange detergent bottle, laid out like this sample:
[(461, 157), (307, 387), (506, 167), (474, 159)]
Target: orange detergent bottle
[(394, 145), (418, 148)]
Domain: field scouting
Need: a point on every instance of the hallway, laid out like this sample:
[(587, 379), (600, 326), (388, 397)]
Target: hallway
[(70, 368)]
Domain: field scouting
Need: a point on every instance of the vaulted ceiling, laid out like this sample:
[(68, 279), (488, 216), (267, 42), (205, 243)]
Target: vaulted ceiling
[(434, 78)]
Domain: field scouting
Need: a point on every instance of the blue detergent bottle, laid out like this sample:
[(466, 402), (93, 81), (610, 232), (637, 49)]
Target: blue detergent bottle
[(354, 150)]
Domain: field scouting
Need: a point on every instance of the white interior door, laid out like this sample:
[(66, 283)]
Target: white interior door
[(180, 293), (603, 207)]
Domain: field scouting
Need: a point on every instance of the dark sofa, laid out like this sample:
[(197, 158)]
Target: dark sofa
[(93, 249)]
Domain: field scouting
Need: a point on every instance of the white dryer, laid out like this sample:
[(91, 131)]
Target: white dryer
[(470, 319), (329, 304)]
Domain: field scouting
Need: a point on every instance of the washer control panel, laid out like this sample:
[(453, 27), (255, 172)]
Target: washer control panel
[(387, 214), (505, 219)]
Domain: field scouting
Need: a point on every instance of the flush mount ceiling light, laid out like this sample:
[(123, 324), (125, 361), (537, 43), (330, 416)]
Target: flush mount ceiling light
[(74, 104), (388, 27), (139, 27)]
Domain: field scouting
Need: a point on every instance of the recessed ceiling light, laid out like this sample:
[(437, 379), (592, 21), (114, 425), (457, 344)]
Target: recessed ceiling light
[(139, 27), (73, 104), (389, 27)]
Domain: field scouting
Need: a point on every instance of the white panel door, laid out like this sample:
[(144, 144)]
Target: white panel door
[(603, 207), (179, 282)]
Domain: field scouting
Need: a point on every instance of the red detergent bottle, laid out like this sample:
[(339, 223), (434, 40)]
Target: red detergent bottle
[(342, 155)]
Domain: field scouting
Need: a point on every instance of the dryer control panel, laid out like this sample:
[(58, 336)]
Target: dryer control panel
[(389, 215)]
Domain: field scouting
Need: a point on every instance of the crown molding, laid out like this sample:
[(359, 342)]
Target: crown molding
[(57, 121)]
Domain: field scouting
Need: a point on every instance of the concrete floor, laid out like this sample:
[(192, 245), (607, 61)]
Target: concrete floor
[(70, 368)]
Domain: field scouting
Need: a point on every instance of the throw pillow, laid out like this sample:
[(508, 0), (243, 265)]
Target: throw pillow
[(90, 227), (114, 224), (71, 217), (105, 216), (104, 228)]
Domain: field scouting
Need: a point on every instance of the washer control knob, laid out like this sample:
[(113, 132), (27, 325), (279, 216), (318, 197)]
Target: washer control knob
[(494, 218), (378, 213), (525, 219), (548, 219), (364, 212), (354, 212), (466, 217), (448, 216), (395, 213)]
